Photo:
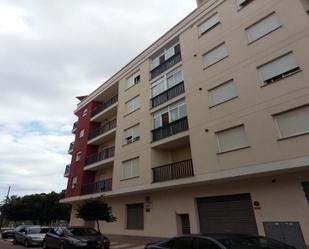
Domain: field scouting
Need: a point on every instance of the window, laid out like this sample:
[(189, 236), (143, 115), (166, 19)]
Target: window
[(78, 156), (209, 24), (232, 139), (278, 68), (134, 79), (243, 3), (199, 243), (263, 27), (215, 55), (133, 104), (294, 122), (85, 112), (167, 81), (74, 182), (131, 134), (135, 216), (222, 93), (81, 133), (130, 168), (165, 55), (169, 114)]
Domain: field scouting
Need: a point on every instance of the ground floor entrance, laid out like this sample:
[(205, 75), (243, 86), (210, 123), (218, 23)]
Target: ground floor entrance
[(226, 214), (273, 205)]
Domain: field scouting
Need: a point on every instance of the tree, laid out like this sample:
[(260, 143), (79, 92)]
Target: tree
[(37, 208), (95, 210)]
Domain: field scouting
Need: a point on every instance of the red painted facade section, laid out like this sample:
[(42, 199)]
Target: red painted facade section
[(80, 145)]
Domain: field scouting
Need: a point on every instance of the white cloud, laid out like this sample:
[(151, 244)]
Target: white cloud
[(52, 51)]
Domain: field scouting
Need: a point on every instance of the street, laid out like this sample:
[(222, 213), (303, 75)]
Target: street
[(7, 244)]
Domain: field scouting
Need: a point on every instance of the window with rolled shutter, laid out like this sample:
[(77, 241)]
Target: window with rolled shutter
[(215, 55), (135, 216), (278, 68), (222, 93), (263, 27), (293, 123), (209, 24)]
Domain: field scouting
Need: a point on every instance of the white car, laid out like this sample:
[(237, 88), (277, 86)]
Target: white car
[(30, 235)]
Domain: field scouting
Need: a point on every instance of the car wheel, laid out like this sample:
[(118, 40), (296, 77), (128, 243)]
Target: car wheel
[(26, 243), (44, 244), (14, 241)]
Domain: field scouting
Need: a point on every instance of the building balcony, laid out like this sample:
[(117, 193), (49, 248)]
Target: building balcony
[(171, 129), (168, 94), (67, 170), (97, 187), (173, 171), (70, 151), (165, 65), (103, 159), (74, 127), (105, 110), (103, 133)]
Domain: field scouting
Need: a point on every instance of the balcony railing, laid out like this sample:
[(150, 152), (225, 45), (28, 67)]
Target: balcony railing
[(103, 155), (168, 94), (173, 171), (67, 170), (71, 148), (170, 129), (103, 129), (97, 187), (104, 106), (165, 65), (74, 126)]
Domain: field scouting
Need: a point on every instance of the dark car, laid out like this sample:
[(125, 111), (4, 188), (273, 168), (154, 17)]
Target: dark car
[(7, 234), (219, 241), (75, 237), (30, 235)]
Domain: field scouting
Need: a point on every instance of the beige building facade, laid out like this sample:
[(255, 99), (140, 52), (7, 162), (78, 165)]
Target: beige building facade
[(205, 131)]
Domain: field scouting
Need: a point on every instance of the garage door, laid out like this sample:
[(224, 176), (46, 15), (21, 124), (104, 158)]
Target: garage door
[(226, 214)]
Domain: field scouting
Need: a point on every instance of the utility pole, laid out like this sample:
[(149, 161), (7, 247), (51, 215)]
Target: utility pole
[(6, 201)]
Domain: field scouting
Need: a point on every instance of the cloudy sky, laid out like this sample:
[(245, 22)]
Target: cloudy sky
[(52, 51)]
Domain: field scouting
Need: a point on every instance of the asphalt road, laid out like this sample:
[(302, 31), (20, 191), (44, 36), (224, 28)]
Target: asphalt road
[(7, 244)]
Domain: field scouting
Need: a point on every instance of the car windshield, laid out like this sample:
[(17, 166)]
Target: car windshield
[(38, 230), (82, 231), (252, 243)]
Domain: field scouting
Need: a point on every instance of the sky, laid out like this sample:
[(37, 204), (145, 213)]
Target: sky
[(51, 52)]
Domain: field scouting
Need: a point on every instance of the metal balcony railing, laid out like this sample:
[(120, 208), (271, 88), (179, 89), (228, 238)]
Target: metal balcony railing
[(104, 106), (71, 148), (104, 154), (170, 129), (168, 94), (67, 170), (74, 126), (103, 129), (97, 187), (173, 171), (165, 65)]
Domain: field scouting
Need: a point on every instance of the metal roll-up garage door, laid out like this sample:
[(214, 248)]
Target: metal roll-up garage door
[(227, 214)]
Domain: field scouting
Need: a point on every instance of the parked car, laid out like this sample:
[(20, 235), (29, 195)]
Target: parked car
[(219, 241), (30, 235), (7, 234), (75, 237)]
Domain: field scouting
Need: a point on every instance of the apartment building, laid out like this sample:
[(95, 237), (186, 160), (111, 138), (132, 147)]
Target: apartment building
[(207, 130)]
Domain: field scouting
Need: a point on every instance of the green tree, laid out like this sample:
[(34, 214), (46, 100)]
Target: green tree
[(95, 210), (37, 208)]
